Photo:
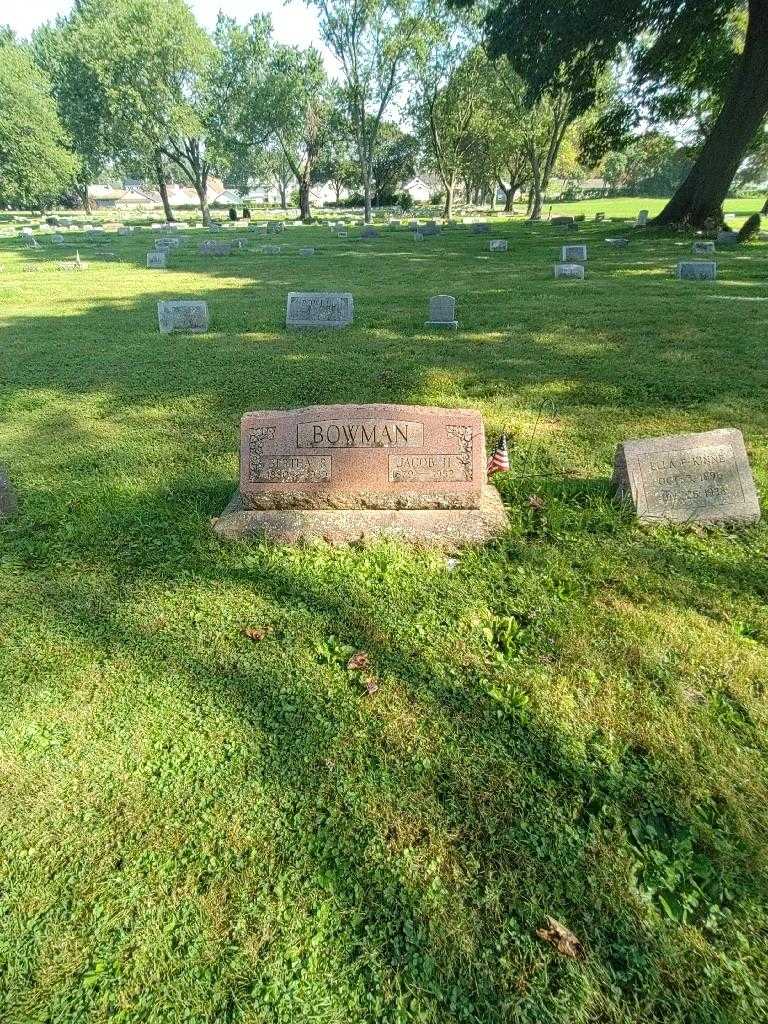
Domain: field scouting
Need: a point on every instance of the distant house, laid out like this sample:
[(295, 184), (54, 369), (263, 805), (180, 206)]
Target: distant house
[(418, 189)]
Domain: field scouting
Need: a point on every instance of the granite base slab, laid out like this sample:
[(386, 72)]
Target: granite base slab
[(428, 527)]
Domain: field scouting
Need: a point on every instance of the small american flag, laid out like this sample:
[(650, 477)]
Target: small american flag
[(499, 460)]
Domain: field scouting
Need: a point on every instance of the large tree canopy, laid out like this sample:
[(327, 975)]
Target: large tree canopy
[(550, 44), (36, 162)]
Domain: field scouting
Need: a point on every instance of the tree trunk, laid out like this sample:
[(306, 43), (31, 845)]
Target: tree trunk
[(534, 199), (163, 188), (202, 195), (367, 194), (700, 197), (764, 211), (450, 185), (304, 211)]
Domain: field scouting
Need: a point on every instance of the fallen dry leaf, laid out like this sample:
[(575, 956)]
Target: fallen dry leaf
[(358, 662), (371, 684), (257, 633), (562, 939), (536, 502)]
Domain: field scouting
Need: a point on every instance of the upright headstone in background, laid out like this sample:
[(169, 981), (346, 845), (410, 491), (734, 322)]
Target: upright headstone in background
[(442, 312), (575, 270), (183, 315), (498, 245), (271, 250), (573, 253), (480, 229), (702, 248), (599, 217), (697, 270), (307, 251), (562, 222), (58, 240), (342, 233), (166, 244), (642, 219), (8, 503), (216, 249), (319, 309), (347, 472), (125, 230), (688, 478), (157, 260), (727, 239), (369, 232)]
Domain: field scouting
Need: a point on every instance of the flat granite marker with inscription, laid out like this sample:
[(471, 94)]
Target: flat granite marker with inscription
[(570, 270), (157, 260), (345, 472), (319, 309), (688, 478), (498, 245), (702, 248), (697, 270), (573, 253), (183, 315)]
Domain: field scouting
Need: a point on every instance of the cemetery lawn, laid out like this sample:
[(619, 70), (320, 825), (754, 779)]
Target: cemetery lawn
[(205, 827)]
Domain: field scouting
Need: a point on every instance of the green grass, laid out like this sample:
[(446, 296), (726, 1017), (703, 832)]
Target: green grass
[(571, 722)]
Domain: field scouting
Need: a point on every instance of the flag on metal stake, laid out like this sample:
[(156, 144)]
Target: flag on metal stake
[(499, 460)]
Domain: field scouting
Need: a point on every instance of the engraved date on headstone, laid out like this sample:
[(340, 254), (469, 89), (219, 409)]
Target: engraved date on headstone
[(691, 479)]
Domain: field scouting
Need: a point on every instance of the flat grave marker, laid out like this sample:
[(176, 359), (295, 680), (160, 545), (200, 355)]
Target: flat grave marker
[(572, 270), (157, 260), (319, 309), (498, 245), (702, 248), (573, 253), (697, 270), (189, 315), (688, 478)]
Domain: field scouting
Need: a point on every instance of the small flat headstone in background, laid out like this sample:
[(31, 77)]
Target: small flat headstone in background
[(8, 503), (480, 229), (697, 270), (442, 312), (125, 230), (342, 233), (701, 248), (498, 245), (319, 309), (688, 478), (307, 251), (727, 239), (216, 249), (58, 239), (369, 232), (573, 253), (617, 243), (183, 315), (569, 270), (157, 260), (164, 244), (271, 250)]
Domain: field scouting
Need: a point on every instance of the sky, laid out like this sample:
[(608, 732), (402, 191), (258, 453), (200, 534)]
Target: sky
[(293, 22)]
